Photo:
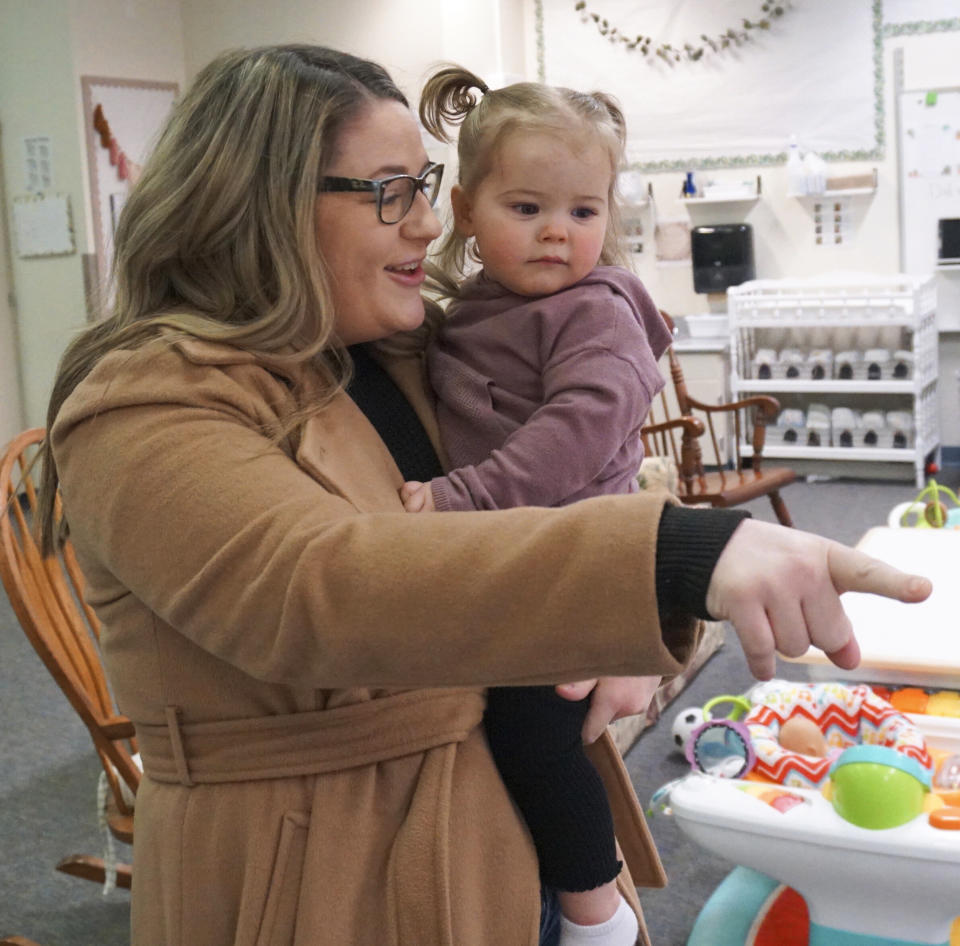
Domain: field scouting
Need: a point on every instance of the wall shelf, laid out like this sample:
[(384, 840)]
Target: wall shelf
[(733, 197), (831, 195), (711, 201), (834, 193)]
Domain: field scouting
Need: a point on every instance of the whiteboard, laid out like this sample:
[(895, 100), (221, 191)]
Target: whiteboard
[(929, 148)]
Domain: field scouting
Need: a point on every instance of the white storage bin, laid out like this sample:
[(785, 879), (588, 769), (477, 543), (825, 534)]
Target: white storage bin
[(901, 430), (844, 426), (818, 426), (789, 430), (872, 431), (763, 363), (901, 366), (877, 364), (819, 364), (847, 365), (790, 364), (707, 325)]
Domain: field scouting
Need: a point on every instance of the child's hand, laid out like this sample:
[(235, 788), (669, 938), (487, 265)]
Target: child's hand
[(417, 497), (613, 698)]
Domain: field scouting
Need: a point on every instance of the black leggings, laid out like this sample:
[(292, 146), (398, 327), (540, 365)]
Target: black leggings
[(535, 738)]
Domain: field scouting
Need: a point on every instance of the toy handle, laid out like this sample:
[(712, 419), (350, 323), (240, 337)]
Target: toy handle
[(899, 513), (741, 705)]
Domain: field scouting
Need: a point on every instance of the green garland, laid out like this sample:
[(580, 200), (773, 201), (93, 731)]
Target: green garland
[(769, 11)]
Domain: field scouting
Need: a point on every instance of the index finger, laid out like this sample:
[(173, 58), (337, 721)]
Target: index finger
[(852, 570)]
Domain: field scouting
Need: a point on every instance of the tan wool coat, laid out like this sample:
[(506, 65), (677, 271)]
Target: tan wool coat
[(305, 662)]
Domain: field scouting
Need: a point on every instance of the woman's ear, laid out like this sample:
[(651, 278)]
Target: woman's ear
[(462, 211)]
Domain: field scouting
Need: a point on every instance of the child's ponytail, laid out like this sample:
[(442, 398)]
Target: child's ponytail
[(615, 112), (448, 98)]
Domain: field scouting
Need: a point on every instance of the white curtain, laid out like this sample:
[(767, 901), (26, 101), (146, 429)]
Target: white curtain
[(814, 74)]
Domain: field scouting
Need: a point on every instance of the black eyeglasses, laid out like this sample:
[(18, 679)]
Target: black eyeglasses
[(396, 194)]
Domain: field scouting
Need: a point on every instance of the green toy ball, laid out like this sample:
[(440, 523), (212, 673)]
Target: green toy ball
[(877, 787)]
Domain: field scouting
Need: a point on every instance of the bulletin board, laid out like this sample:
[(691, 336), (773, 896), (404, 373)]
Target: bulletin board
[(122, 118), (929, 143)]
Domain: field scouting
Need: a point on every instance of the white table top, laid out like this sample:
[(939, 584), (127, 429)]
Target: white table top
[(906, 643)]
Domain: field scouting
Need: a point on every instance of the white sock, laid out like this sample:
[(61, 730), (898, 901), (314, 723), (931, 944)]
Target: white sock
[(620, 930)]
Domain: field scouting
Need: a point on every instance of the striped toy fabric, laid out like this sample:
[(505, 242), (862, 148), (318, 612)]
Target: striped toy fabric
[(846, 715)]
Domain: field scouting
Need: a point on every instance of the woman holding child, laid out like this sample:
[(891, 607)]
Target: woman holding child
[(306, 663)]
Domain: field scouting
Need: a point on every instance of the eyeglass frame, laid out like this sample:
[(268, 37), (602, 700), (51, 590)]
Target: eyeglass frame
[(339, 185)]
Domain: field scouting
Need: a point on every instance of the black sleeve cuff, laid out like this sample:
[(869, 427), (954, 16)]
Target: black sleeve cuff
[(689, 542)]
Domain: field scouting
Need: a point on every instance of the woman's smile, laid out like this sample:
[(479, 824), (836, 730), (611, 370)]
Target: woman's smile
[(378, 267)]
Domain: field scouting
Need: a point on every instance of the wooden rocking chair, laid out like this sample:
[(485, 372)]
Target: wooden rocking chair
[(47, 598), (725, 487)]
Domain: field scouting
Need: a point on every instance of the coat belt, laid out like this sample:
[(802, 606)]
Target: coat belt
[(309, 743)]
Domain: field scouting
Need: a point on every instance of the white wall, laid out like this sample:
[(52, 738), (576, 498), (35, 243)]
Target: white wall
[(11, 398), (402, 35), (783, 226), (123, 39), (37, 80), (933, 61), (45, 45)]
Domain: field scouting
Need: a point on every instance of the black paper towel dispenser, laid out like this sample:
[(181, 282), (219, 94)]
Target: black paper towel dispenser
[(722, 256)]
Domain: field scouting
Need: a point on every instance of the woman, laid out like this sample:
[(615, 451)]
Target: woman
[(303, 661)]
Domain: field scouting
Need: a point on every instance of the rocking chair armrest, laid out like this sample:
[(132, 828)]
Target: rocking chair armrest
[(691, 426), (768, 406)]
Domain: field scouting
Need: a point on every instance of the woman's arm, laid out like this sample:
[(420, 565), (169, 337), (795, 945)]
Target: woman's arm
[(176, 499)]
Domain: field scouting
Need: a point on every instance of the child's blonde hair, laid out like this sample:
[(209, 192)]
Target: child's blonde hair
[(449, 98)]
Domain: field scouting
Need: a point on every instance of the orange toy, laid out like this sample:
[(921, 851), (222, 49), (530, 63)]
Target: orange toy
[(910, 700)]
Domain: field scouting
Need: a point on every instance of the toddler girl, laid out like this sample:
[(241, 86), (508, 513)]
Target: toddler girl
[(544, 368)]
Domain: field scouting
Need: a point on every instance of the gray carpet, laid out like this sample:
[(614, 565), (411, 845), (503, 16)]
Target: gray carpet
[(48, 781)]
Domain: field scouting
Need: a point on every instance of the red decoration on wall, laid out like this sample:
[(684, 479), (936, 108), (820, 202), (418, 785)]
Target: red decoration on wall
[(126, 169)]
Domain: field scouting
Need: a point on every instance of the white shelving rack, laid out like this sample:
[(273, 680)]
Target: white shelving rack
[(858, 310)]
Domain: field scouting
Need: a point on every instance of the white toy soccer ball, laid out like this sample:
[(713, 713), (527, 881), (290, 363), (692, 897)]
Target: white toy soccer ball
[(684, 724)]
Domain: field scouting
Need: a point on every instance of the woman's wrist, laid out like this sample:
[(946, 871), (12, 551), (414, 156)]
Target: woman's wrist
[(689, 543)]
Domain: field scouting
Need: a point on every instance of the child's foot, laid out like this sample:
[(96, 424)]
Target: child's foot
[(619, 930)]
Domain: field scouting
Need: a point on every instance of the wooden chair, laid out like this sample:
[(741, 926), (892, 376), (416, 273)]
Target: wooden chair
[(661, 440), (46, 595), (726, 487)]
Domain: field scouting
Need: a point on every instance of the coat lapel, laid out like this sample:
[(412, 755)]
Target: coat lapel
[(360, 469)]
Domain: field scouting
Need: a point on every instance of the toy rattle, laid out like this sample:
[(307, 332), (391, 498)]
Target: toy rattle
[(928, 510)]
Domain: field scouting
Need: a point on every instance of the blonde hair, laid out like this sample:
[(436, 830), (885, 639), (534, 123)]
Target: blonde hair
[(217, 240), (450, 97)]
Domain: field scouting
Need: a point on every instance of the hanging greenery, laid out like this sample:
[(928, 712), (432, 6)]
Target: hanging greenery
[(649, 47)]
